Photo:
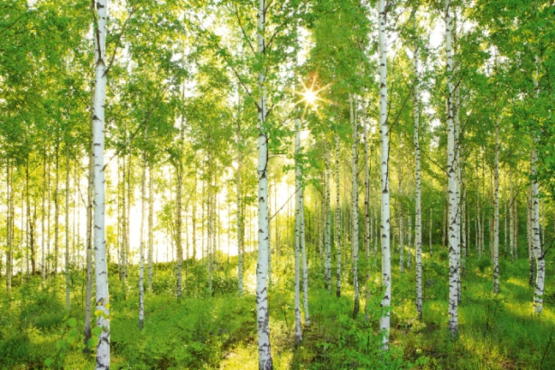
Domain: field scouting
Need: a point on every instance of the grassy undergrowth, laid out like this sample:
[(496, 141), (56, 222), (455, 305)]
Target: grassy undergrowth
[(218, 331)]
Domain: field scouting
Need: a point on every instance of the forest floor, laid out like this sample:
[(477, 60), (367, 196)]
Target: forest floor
[(219, 331)]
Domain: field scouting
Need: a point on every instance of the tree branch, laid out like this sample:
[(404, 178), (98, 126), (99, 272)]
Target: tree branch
[(118, 42)]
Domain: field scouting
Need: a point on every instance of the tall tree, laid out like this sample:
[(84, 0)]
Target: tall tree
[(384, 168), (101, 266)]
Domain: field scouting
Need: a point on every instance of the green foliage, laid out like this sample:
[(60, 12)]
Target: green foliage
[(70, 339), (483, 263)]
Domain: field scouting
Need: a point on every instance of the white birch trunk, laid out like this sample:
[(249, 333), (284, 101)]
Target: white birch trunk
[(141, 322), (452, 186), (384, 167), (101, 267), (536, 242), (264, 350), (239, 214), (305, 267), (354, 237), (89, 245), (150, 225), (530, 238), (418, 195), (298, 192), (458, 177), (368, 229)]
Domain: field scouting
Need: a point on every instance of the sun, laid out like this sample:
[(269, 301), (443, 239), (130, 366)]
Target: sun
[(310, 96)]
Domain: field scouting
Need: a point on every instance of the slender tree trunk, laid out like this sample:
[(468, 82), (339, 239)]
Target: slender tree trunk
[(327, 230), (68, 276), (305, 267), (76, 216), (337, 217), (367, 230), (150, 225), (354, 238), (479, 227), (178, 229), (384, 166), (409, 241), (89, 247), (464, 229), (194, 221), (537, 249), (298, 210), (239, 209), (179, 222), (29, 225), (22, 231), (401, 225), (537, 245), (56, 210), (457, 163), (511, 217), (530, 238), (124, 228), (505, 252), (496, 214), (141, 322), (210, 232), (128, 220), (264, 350), (9, 229), (444, 227), (516, 227), (102, 302), (43, 228), (452, 190)]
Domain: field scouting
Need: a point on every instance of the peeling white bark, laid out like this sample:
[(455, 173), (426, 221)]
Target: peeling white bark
[(262, 314), (452, 186), (384, 168), (101, 266)]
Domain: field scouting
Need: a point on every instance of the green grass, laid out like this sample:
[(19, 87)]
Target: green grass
[(219, 331)]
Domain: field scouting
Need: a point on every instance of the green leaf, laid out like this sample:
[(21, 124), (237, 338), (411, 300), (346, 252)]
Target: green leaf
[(72, 322), (60, 343), (48, 362), (91, 343), (97, 330)]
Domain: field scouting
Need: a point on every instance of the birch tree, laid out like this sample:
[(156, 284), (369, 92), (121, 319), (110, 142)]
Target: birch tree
[(101, 268), (418, 191), (384, 168), (298, 210), (354, 169), (452, 177), (262, 314), (496, 213)]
